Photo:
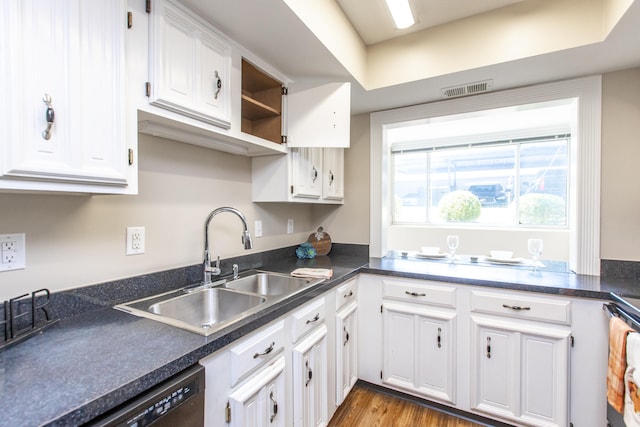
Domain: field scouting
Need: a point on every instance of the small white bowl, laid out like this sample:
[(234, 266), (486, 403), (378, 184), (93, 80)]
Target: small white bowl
[(430, 250), (501, 254)]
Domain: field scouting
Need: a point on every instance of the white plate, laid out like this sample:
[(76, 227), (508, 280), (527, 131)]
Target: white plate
[(435, 256), (505, 260)]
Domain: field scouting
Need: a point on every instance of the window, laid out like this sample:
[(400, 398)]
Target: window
[(520, 183), (496, 167), (390, 135)]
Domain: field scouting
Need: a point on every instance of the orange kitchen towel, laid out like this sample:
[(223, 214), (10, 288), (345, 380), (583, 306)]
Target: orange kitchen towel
[(618, 331)]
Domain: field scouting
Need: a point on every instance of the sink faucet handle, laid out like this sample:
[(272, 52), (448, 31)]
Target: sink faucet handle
[(218, 262)]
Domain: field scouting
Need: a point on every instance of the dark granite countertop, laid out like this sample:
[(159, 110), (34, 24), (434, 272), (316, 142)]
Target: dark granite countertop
[(96, 359)]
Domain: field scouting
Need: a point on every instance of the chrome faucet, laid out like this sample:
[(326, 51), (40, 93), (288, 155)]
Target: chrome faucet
[(246, 239)]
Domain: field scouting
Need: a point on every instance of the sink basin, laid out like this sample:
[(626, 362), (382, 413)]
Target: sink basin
[(206, 307), (205, 310), (269, 284)]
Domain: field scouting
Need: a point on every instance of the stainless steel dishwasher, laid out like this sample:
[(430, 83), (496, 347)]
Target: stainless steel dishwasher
[(178, 401)]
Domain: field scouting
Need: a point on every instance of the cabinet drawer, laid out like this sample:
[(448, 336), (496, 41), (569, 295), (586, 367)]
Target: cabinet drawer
[(346, 293), (522, 306), (307, 318), (420, 292), (256, 350)]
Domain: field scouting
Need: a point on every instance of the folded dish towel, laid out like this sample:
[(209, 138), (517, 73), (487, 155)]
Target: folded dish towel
[(618, 331), (316, 273), (631, 382)]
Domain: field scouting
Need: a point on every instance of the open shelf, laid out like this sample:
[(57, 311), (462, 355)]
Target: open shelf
[(261, 108)]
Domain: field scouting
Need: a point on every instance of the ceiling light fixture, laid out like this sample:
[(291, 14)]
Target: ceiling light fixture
[(401, 13)]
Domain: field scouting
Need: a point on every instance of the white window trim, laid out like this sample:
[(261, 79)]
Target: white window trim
[(584, 215)]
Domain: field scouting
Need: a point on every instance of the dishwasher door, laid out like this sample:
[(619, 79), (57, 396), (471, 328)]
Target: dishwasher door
[(178, 401)]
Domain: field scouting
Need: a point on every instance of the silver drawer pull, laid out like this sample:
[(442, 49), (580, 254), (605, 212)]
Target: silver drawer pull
[(415, 294), (315, 318), (516, 307), (266, 351), (50, 116), (350, 294)]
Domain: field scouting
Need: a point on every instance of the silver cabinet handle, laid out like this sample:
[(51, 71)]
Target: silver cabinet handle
[(315, 174), (439, 337), (516, 307), (315, 318), (350, 294), (346, 336), (266, 351), (218, 85), (274, 410), (330, 177), (414, 294), (50, 116), (309, 373), (488, 347)]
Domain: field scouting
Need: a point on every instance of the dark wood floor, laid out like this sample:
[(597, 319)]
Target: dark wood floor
[(367, 407)]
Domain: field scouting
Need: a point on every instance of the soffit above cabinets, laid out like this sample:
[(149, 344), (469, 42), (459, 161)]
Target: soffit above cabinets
[(514, 44)]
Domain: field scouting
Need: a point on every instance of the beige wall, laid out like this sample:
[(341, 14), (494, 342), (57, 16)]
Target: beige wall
[(74, 241), (78, 240), (620, 201), (350, 222)]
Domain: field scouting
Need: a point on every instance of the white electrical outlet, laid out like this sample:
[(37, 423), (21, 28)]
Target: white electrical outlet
[(135, 240), (290, 226), (12, 252), (257, 228)]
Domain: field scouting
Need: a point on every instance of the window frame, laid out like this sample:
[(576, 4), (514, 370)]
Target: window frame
[(584, 215)]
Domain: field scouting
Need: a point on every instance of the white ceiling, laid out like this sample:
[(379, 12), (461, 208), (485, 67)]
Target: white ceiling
[(271, 30), (373, 22)]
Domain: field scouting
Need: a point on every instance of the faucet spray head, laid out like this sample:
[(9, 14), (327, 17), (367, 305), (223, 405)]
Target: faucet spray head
[(246, 239)]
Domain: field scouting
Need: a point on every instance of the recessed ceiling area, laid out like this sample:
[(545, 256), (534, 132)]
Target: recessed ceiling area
[(510, 43), (372, 20)]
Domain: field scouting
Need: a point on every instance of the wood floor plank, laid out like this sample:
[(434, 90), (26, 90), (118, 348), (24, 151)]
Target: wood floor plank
[(365, 407)]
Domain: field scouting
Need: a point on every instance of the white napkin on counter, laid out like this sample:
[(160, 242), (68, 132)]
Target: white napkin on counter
[(316, 273)]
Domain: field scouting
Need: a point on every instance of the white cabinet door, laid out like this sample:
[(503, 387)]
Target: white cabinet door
[(190, 65), (258, 402), (346, 350), (319, 115), (412, 335), (63, 96), (306, 172), (310, 403), (521, 371), (333, 173)]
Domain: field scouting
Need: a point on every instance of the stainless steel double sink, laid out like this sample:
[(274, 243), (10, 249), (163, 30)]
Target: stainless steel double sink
[(207, 309)]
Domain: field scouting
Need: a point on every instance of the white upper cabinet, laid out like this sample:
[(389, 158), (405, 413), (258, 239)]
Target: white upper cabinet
[(190, 65), (319, 115), (66, 123)]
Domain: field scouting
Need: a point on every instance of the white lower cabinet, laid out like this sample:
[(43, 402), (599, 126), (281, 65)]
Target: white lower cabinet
[(520, 371), (259, 402), (522, 358), (310, 403), (346, 350), (419, 350)]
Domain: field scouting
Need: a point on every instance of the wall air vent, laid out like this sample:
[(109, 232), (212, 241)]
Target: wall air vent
[(467, 89)]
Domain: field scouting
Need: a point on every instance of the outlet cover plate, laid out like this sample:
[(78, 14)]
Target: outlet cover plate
[(135, 240), (12, 252)]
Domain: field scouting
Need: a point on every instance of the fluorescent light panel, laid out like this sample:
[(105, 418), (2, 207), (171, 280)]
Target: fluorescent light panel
[(401, 13)]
